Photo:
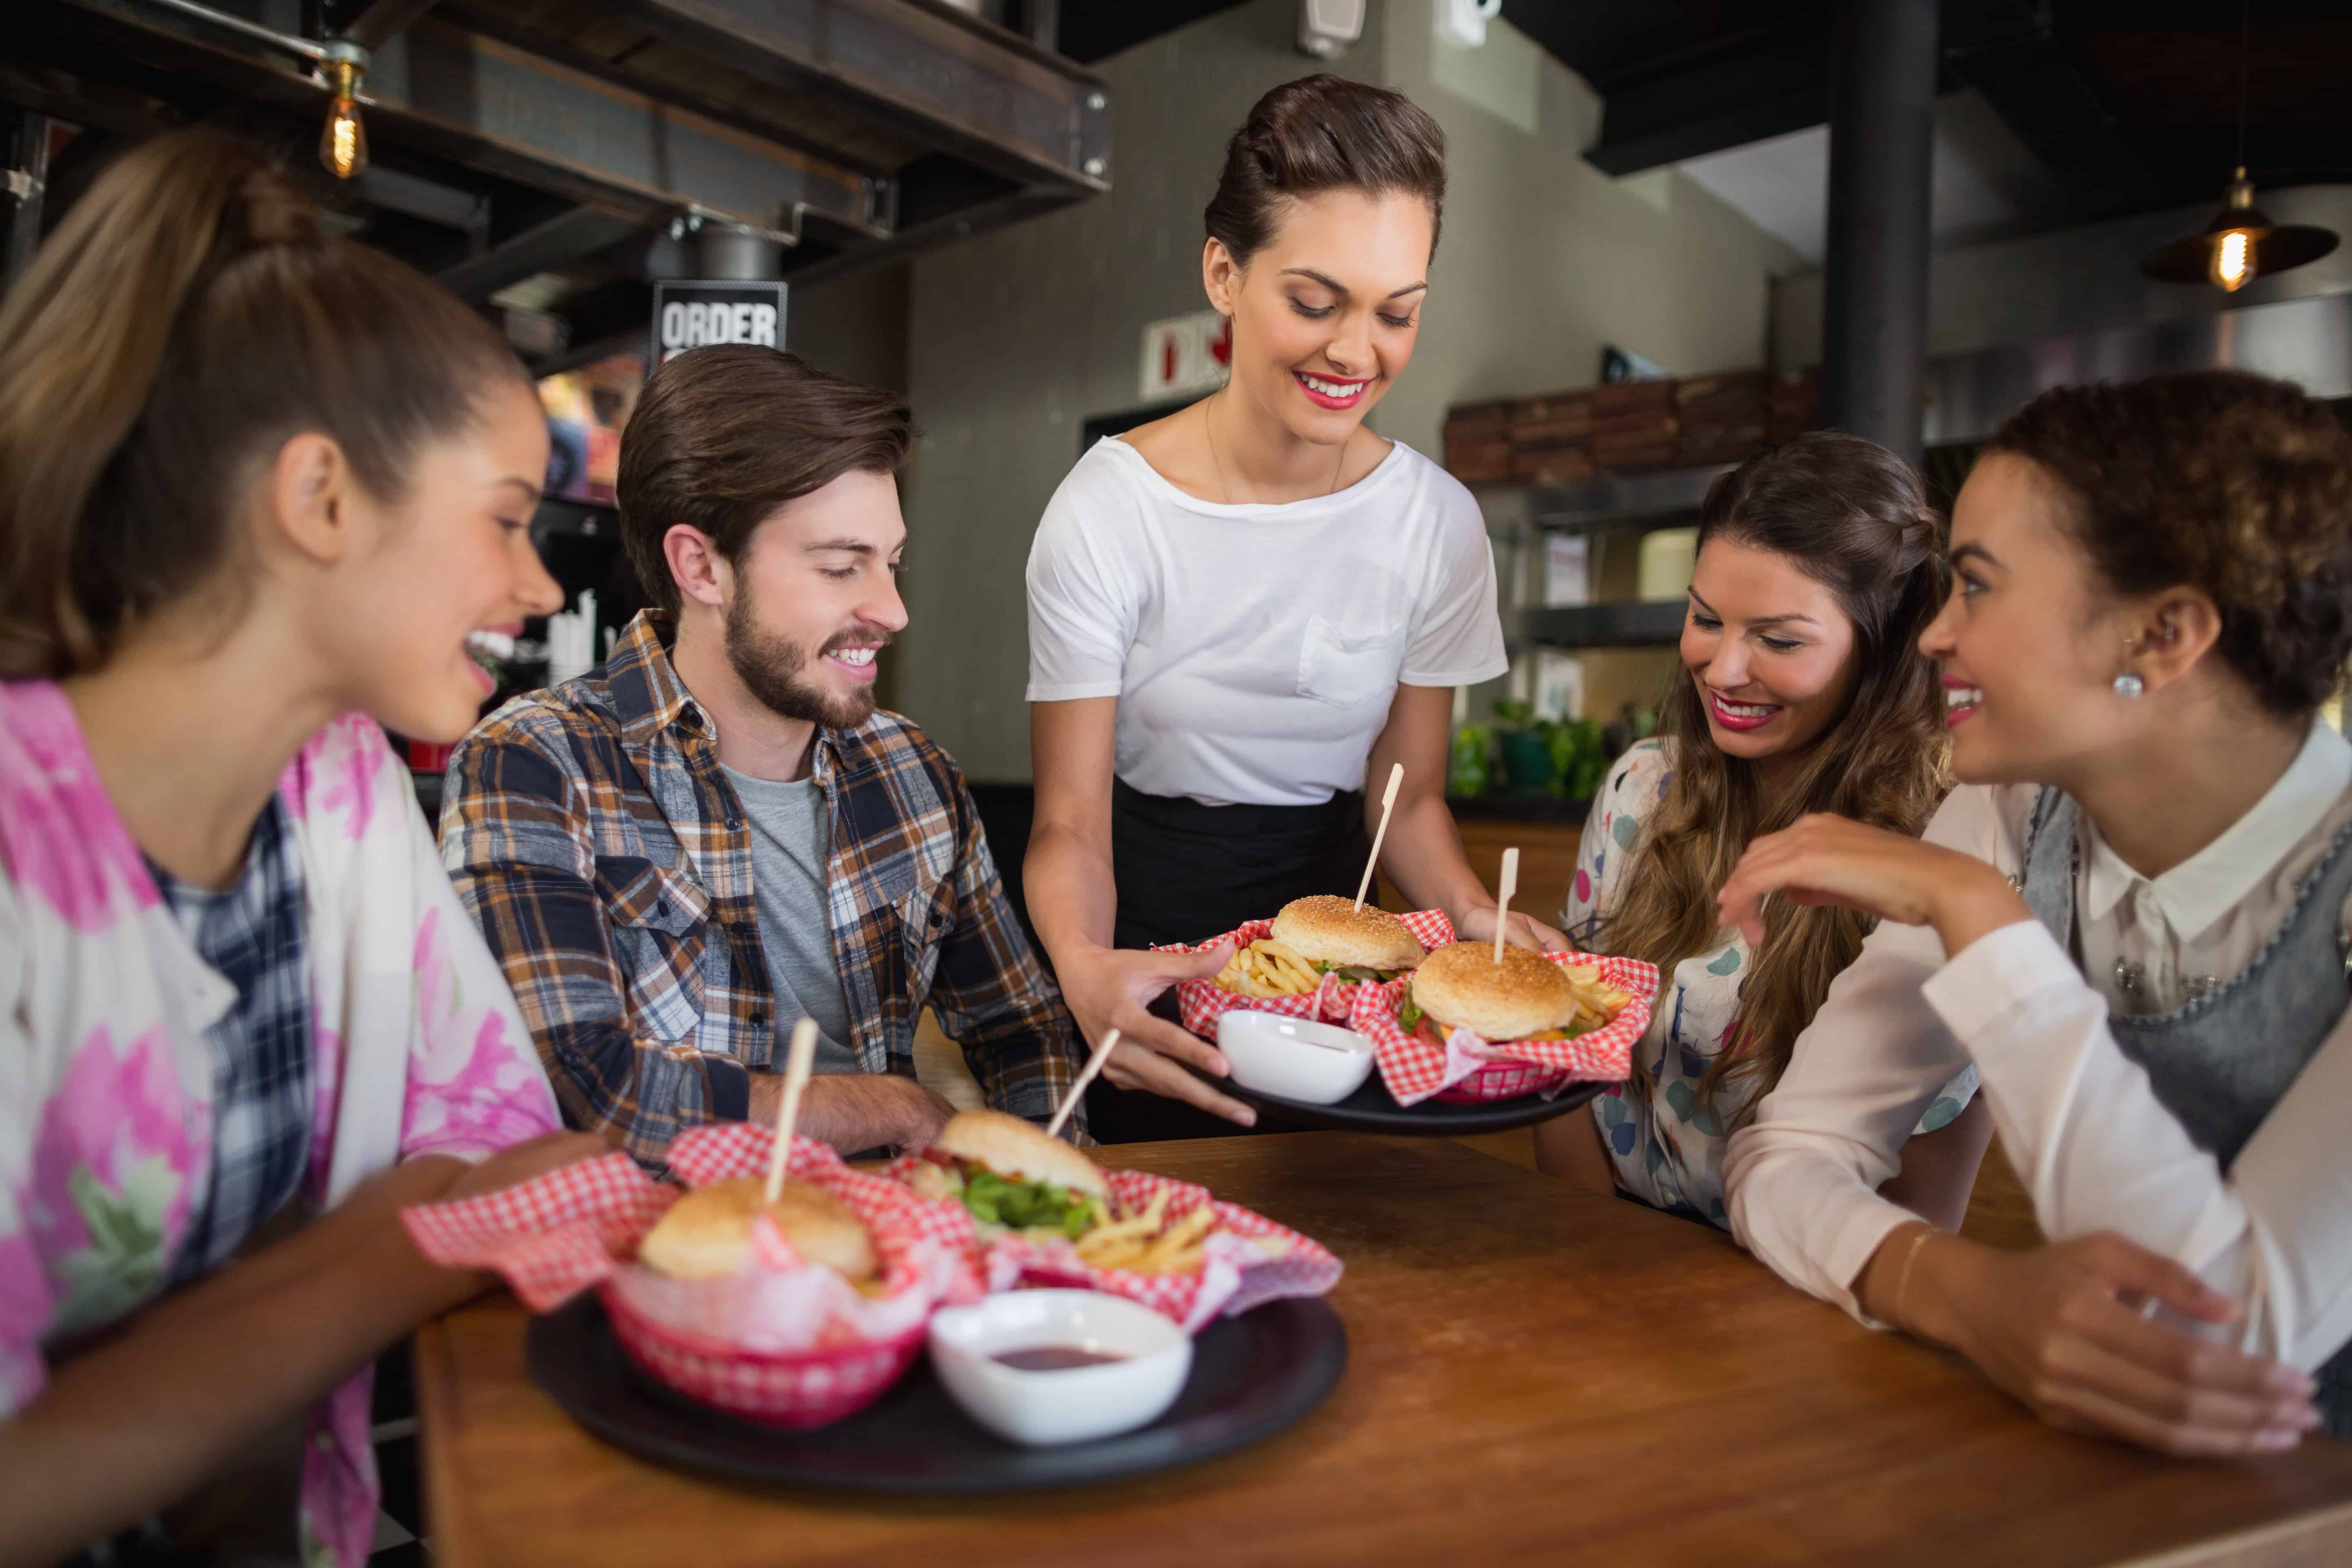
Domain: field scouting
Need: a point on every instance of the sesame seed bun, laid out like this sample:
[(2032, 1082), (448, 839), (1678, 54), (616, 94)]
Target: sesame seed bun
[(707, 1233), (1018, 1152), (1524, 995), (1328, 928)]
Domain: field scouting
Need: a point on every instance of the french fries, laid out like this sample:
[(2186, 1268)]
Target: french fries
[(1268, 968), (1596, 1004), (1139, 1245)]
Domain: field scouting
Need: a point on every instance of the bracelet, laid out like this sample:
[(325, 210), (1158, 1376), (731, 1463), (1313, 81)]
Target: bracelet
[(1903, 1280)]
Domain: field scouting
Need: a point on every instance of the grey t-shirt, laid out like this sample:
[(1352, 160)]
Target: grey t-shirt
[(791, 840)]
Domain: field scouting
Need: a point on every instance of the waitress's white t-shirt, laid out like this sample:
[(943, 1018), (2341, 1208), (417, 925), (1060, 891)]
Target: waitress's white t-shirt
[(1255, 650)]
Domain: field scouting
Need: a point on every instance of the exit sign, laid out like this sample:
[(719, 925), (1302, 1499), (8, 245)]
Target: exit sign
[(1184, 356)]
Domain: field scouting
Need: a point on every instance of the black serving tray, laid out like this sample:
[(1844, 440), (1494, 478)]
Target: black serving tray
[(1252, 1376), (1371, 1108)]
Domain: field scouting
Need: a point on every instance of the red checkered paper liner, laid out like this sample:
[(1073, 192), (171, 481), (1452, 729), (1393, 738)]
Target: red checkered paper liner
[(784, 1342), (1472, 1069), (1200, 1003), (1236, 1273), (785, 1306), (550, 1237)]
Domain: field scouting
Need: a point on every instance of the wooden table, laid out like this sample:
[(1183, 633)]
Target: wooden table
[(1534, 1376)]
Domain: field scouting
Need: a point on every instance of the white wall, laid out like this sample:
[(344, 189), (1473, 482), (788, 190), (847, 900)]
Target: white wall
[(1017, 338)]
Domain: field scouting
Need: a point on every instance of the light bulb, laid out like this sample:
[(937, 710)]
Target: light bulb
[(342, 144), (2234, 259)]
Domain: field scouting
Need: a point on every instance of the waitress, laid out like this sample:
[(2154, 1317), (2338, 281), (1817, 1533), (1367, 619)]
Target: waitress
[(1240, 612)]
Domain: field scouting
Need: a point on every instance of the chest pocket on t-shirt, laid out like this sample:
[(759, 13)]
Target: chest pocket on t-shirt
[(1350, 669), (661, 926)]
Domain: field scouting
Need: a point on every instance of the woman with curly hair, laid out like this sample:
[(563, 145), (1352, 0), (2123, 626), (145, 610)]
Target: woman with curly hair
[(2132, 919), (1819, 564)]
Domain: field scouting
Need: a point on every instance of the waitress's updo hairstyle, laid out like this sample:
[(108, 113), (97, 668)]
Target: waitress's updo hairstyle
[(2238, 484), (1318, 134)]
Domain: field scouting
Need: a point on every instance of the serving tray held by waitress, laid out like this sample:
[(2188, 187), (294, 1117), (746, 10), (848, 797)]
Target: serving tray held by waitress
[(1252, 1376), (1447, 1096)]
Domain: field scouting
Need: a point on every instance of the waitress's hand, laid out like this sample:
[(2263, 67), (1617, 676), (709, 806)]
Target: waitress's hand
[(1110, 988), (1825, 859), (1521, 930)]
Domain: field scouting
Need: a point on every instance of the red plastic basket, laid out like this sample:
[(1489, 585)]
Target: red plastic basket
[(809, 1388)]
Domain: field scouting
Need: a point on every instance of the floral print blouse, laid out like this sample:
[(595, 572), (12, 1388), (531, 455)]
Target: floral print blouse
[(106, 1083), (1666, 1146)]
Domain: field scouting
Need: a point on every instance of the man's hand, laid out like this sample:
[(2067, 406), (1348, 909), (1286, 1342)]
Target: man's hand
[(854, 1112)]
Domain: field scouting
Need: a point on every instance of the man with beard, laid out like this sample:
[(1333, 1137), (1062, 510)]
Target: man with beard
[(681, 852)]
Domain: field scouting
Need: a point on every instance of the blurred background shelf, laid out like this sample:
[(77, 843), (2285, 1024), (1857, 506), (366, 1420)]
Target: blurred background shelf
[(1539, 810), (1606, 501), (1635, 623)]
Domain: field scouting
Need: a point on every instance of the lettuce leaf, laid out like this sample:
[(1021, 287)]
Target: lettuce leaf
[(1025, 1205)]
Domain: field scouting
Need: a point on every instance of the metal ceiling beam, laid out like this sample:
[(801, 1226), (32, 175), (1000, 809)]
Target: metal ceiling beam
[(979, 91), (468, 211), (564, 238), (501, 111), (514, 113), (72, 96), (380, 21), (946, 227)]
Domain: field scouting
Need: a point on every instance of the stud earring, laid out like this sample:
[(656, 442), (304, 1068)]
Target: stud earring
[(2129, 685)]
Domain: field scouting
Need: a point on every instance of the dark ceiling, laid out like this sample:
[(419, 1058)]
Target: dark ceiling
[(551, 158), (2130, 103)]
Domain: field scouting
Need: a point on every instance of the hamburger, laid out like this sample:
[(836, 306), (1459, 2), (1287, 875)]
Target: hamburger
[(1333, 935), (707, 1233), (1012, 1177), (1525, 997)]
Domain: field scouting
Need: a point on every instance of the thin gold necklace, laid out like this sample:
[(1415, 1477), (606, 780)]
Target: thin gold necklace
[(1224, 490)]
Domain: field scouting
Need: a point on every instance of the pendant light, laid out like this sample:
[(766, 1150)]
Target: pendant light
[(2241, 243), (343, 141)]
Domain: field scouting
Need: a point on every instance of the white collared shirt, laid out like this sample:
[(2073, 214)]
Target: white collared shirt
[(2159, 941), (2077, 1118)]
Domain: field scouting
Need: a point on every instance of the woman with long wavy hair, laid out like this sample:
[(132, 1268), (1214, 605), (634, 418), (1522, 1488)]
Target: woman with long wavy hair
[(1818, 567)]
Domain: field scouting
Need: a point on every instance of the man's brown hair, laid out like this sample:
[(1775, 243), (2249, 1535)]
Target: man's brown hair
[(722, 436)]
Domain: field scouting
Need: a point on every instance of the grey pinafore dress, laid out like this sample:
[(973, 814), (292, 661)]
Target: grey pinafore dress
[(2221, 1060)]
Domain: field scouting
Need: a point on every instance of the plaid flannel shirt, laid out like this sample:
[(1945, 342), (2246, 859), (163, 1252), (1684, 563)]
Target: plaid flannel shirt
[(591, 833)]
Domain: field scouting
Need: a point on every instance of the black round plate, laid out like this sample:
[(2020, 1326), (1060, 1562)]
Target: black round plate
[(1371, 1108), (1252, 1376)]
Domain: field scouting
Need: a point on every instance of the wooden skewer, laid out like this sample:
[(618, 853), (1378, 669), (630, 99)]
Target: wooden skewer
[(1503, 901), (1388, 804), (797, 1062), (1079, 1089)]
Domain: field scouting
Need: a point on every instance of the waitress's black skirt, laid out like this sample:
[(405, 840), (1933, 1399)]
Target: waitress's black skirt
[(1188, 871)]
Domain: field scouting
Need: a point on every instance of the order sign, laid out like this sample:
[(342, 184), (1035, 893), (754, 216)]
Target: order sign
[(697, 315)]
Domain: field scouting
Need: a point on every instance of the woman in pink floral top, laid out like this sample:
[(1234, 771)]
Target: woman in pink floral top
[(256, 488)]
